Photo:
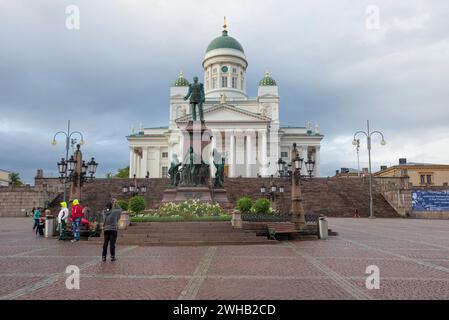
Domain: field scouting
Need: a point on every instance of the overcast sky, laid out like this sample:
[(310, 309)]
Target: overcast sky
[(334, 65)]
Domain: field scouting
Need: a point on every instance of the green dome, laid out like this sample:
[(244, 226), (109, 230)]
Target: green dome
[(181, 81), (267, 81), (224, 41)]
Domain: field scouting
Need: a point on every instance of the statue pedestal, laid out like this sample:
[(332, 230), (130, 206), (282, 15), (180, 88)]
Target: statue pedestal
[(220, 196), (193, 179), (203, 194), (198, 193), (169, 195)]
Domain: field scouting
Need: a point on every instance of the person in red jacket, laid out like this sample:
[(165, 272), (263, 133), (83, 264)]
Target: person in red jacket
[(77, 215)]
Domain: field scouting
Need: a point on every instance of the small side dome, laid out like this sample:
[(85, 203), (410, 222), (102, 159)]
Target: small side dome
[(181, 81), (267, 80)]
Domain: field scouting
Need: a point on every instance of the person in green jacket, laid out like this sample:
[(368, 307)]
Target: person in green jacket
[(36, 215)]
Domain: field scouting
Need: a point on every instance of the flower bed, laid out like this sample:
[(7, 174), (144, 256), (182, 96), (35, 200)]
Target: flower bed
[(190, 210)]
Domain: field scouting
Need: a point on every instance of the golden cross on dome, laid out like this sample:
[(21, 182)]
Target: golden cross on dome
[(225, 25)]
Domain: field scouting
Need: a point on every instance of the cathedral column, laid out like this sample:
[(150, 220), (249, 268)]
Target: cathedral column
[(211, 157), (137, 166), (181, 148), (305, 156), (263, 152), (144, 165), (249, 155), (317, 161), (232, 155), (131, 162)]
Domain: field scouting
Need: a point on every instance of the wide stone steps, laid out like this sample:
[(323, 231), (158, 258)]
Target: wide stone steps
[(186, 234)]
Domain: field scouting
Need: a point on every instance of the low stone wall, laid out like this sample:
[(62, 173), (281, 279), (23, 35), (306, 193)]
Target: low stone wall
[(18, 201), (400, 200), (430, 214)]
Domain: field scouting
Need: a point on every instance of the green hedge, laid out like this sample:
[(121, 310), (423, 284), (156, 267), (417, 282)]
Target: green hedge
[(261, 206), (244, 204), (123, 204), (136, 204)]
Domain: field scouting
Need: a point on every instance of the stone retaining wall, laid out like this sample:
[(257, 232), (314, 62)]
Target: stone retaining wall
[(18, 201), (327, 196)]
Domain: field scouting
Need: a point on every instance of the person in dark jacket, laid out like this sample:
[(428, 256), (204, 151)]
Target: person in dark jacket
[(111, 216), (40, 226)]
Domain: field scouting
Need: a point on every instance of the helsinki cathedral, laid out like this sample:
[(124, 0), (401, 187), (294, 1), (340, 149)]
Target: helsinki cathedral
[(246, 131)]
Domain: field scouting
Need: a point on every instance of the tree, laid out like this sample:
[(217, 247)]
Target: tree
[(109, 175), (122, 173), (14, 179)]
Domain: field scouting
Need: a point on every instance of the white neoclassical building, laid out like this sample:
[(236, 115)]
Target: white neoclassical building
[(246, 130)]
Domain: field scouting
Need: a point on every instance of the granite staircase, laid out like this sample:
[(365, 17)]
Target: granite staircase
[(186, 234)]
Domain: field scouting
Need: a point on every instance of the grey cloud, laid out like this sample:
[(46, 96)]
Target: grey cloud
[(117, 69)]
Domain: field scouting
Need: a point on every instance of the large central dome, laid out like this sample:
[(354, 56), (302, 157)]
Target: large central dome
[(224, 41)]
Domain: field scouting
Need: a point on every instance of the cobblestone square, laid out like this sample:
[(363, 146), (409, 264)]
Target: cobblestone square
[(412, 256)]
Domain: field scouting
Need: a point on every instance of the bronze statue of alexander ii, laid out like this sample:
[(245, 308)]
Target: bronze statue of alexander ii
[(197, 97)]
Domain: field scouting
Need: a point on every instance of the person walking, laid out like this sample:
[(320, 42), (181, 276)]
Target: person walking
[(40, 226), (36, 215), (77, 215), (111, 216), (62, 220)]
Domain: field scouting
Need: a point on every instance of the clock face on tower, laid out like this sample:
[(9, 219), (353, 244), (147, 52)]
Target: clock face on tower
[(224, 69)]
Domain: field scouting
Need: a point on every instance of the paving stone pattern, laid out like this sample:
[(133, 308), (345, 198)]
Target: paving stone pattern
[(412, 255)]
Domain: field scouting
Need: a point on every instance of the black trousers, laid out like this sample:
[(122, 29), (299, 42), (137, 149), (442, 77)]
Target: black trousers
[(110, 236)]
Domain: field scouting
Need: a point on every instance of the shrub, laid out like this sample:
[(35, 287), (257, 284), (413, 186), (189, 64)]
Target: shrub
[(244, 204), (136, 204), (123, 204), (261, 206)]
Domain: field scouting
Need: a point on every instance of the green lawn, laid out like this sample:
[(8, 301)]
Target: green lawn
[(179, 219)]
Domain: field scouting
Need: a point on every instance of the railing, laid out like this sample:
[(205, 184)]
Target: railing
[(311, 218)]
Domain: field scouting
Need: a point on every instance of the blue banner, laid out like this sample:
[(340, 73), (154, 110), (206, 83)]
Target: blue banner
[(430, 200)]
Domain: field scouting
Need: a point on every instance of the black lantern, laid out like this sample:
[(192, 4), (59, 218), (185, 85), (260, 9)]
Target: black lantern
[(143, 189), (92, 166), (298, 163), (62, 167), (132, 189), (263, 189), (281, 189), (273, 188), (71, 164), (125, 189), (84, 168), (310, 166)]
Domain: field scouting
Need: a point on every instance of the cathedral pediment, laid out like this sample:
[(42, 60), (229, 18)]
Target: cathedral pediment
[(228, 113)]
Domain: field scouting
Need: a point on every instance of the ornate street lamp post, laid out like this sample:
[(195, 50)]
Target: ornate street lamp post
[(293, 171), (76, 171), (355, 142), (134, 189), (62, 166), (358, 156), (273, 192)]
